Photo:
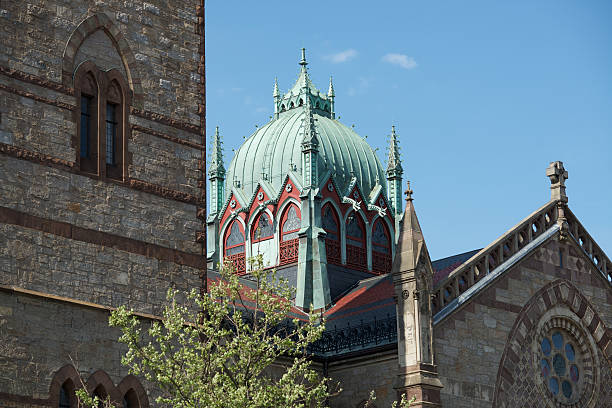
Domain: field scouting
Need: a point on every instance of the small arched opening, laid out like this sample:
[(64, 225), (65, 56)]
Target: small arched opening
[(291, 223), (234, 249), (356, 254), (381, 247), (332, 239)]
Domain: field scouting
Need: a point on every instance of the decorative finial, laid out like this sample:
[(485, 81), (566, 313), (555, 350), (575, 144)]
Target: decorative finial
[(330, 91), (276, 92), (303, 62), (408, 192), (394, 164), (557, 174)]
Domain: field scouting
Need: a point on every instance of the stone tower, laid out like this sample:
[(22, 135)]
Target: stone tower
[(412, 274), (100, 199)]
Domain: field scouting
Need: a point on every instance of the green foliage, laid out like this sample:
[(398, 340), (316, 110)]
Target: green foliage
[(231, 347)]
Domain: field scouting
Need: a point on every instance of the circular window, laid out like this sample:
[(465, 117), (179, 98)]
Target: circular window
[(560, 370)]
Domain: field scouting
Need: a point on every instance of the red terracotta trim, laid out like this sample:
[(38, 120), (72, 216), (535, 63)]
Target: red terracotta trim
[(37, 98), (167, 137), (156, 117), (23, 399), (36, 80), (66, 230), (135, 184)]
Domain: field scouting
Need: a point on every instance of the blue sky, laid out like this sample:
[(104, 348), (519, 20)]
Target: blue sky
[(483, 94)]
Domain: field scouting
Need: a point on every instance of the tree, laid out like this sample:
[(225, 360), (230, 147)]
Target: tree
[(222, 349), (235, 346)]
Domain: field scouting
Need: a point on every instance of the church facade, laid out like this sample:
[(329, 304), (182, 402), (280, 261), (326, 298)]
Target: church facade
[(102, 181)]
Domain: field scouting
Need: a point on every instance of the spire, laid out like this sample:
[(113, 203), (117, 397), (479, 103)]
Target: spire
[(557, 175), (303, 62), (330, 91), (276, 93), (412, 274), (394, 164), (309, 141), (216, 168)]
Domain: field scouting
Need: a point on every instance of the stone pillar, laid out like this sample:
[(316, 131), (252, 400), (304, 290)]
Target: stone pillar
[(413, 282)]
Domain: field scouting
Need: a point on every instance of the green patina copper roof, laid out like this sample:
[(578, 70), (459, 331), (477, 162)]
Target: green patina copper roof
[(276, 148)]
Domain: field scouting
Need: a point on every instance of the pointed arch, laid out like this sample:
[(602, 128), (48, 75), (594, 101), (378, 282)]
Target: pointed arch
[(100, 384), (556, 307), (87, 27), (356, 241), (133, 393), (381, 247), (290, 224), (61, 391), (234, 246), (330, 222), (262, 228)]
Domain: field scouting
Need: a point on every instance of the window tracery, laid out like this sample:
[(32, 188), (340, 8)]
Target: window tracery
[(263, 228), (102, 117), (381, 247), (356, 255), (234, 247), (330, 224), (291, 223)]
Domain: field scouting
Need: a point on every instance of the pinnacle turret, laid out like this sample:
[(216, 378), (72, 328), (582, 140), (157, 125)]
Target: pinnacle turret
[(309, 141), (216, 168), (330, 91), (276, 93), (394, 164)]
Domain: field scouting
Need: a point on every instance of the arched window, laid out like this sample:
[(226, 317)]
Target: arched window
[(263, 228), (102, 120), (101, 393), (291, 223), (356, 255), (114, 130), (87, 90), (234, 247), (381, 247), (332, 240), (130, 400), (65, 396)]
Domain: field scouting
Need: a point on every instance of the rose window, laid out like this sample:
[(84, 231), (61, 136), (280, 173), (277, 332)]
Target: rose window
[(560, 366)]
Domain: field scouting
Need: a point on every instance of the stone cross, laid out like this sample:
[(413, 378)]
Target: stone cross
[(408, 192), (557, 174)]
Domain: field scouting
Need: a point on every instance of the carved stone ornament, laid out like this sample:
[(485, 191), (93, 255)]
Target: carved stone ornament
[(260, 195), (405, 294), (381, 202), (330, 187), (233, 203), (356, 195), (288, 188)]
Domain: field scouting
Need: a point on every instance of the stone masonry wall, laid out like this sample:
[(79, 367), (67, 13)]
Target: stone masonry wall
[(56, 332), (360, 375), (56, 195), (78, 270), (470, 342), (161, 34)]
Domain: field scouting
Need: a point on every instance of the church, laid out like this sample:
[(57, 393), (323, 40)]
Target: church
[(103, 202)]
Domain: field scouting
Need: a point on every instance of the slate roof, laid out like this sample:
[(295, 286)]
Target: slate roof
[(365, 317)]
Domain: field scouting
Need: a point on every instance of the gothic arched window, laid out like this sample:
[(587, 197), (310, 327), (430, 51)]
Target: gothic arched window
[(114, 130), (65, 394), (234, 247), (130, 400), (332, 240), (356, 254), (102, 121), (87, 89), (263, 228), (381, 247), (291, 223)]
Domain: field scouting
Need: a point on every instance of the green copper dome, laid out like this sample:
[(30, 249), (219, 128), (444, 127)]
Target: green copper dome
[(275, 149)]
